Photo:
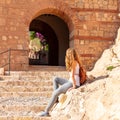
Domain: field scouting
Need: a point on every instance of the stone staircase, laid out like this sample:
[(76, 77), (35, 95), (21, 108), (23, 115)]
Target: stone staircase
[(24, 94)]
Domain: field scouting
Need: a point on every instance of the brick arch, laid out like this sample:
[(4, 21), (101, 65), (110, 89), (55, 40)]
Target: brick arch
[(64, 16), (59, 9)]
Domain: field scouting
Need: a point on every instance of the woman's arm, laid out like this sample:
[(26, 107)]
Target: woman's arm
[(73, 74)]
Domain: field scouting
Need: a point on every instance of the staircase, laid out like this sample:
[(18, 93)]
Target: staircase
[(24, 94)]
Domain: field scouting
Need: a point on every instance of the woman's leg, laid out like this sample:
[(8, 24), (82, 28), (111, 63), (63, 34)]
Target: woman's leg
[(65, 85), (56, 93), (58, 81)]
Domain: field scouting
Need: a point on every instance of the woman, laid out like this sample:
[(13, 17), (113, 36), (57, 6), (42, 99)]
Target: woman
[(72, 65)]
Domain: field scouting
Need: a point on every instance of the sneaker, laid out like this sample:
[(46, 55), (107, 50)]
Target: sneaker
[(57, 101), (43, 114)]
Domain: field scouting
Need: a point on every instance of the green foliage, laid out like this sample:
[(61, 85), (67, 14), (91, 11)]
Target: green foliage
[(46, 47), (37, 41), (110, 68), (32, 35)]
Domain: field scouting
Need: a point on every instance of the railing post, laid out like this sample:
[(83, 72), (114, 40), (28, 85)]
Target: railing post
[(9, 55)]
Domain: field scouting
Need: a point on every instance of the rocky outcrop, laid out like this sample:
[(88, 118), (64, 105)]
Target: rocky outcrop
[(98, 99), (109, 58)]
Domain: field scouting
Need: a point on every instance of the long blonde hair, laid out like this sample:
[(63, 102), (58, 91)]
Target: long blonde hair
[(71, 56)]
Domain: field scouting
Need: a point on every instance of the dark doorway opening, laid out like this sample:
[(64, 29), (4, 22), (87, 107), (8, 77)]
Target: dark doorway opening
[(51, 38), (56, 32)]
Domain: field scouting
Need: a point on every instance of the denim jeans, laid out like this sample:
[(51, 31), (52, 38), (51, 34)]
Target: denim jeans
[(60, 85)]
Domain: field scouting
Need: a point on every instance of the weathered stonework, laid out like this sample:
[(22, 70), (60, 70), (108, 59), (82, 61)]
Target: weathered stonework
[(92, 25)]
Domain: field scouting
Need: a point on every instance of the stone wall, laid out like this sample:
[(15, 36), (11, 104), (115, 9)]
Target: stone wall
[(96, 26), (92, 24)]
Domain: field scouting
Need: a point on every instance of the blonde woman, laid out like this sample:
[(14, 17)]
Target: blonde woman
[(62, 85)]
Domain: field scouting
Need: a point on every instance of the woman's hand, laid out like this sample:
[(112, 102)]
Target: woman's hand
[(71, 88)]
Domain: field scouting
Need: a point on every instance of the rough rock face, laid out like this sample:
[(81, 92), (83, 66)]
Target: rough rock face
[(98, 99)]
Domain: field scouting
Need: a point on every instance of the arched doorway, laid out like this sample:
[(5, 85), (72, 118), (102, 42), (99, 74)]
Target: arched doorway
[(56, 32)]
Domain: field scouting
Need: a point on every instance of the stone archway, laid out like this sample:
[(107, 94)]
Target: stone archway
[(56, 33), (64, 13), (44, 57)]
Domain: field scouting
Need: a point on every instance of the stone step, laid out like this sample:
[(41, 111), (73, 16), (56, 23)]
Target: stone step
[(26, 100), (22, 106), (38, 73), (25, 89), (46, 68), (24, 118), (44, 93), (25, 94), (26, 83), (34, 75), (23, 110), (26, 77), (38, 78)]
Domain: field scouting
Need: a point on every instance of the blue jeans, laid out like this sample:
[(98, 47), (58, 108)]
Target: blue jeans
[(64, 86)]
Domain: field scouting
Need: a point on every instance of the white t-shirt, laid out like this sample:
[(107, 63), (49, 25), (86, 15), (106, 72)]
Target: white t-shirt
[(76, 75)]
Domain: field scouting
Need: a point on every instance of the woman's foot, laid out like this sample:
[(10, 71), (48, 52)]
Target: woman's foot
[(43, 114)]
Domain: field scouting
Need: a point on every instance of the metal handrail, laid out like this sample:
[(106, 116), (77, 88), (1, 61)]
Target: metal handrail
[(9, 52), (4, 51), (9, 57)]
